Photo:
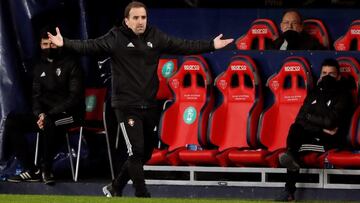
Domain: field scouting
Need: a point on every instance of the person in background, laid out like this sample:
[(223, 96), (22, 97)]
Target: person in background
[(293, 37), (321, 124), (57, 103), (135, 48)]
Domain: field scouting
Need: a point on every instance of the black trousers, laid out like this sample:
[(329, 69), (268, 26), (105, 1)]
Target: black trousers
[(139, 130), (16, 127), (296, 138)]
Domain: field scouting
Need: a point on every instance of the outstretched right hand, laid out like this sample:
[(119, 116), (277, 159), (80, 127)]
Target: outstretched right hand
[(57, 39)]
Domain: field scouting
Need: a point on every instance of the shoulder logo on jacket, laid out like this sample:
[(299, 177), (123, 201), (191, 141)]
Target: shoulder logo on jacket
[(130, 45), (328, 103), (42, 74), (58, 71), (149, 44)]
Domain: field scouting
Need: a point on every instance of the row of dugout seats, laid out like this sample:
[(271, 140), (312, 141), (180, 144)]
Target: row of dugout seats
[(263, 30), (239, 131)]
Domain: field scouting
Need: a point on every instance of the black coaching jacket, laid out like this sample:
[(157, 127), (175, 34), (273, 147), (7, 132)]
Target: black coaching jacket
[(303, 42), (58, 87), (134, 60)]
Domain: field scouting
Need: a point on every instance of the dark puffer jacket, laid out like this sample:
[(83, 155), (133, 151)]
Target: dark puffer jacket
[(327, 109), (304, 41), (58, 87)]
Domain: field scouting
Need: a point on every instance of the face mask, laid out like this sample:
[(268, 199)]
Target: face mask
[(327, 82), (53, 53), (50, 53), (45, 53)]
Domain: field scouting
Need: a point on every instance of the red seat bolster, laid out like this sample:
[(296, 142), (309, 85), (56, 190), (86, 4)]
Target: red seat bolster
[(201, 157), (158, 157), (173, 157), (248, 157), (344, 159)]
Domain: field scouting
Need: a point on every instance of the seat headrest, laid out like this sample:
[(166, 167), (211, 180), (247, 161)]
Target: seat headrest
[(317, 29), (260, 29), (242, 67), (350, 69), (292, 81), (345, 41), (349, 66), (194, 65), (193, 70), (244, 64)]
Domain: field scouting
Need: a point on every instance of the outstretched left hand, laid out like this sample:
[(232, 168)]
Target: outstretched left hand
[(221, 43)]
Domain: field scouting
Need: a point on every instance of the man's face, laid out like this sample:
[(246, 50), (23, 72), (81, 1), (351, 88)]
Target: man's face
[(46, 44), (291, 21), (329, 70), (137, 20)]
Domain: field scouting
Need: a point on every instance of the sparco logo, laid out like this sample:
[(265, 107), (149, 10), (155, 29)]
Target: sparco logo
[(345, 69), (192, 67), (259, 31), (292, 68), (355, 31), (238, 67)]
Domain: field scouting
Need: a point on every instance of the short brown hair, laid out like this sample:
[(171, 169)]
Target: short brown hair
[(134, 4), (331, 62)]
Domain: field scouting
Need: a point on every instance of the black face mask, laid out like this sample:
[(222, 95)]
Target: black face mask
[(328, 83), (291, 36), (50, 53)]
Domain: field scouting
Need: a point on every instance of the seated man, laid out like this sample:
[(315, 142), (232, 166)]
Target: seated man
[(58, 102), (293, 37), (321, 124)]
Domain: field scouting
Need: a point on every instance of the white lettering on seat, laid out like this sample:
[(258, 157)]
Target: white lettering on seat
[(241, 97), (345, 69), (292, 68), (355, 31), (191, 67), (238, 67), (293, 97), (259, 31), (192, 96)]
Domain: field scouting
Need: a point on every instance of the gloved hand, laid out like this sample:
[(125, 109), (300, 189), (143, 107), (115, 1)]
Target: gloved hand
[(293, 38)]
